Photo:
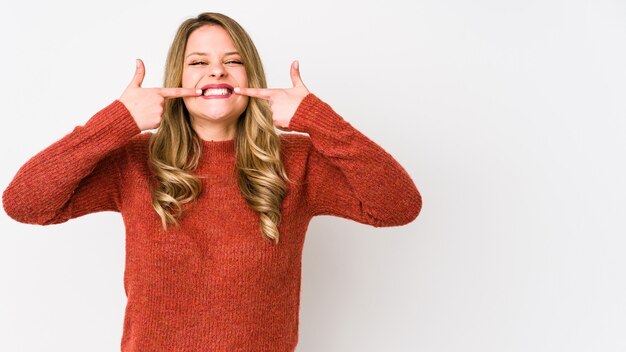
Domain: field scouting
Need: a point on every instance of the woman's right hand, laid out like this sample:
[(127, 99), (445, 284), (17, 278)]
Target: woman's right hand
[(146, 105)]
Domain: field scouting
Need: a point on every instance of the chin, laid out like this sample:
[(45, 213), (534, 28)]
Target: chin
[(208, 114)]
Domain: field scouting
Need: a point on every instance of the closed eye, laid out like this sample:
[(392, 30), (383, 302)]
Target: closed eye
[(228, 62)]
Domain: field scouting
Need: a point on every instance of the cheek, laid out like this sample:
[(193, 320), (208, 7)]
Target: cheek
[(245, 103), (186, 80), (240, 76), (190, 78)]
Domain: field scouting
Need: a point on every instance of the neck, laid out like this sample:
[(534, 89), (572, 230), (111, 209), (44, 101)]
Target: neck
[(214, 131)]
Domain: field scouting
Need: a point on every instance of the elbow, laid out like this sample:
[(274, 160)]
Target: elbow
[(406, 203), (13, 208), (411, 206), (411, 210), (414, 208), (18, 209), (403, 213), (9, 205)]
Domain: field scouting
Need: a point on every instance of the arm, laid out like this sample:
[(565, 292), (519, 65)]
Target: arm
[(350, 176), (77, 175)]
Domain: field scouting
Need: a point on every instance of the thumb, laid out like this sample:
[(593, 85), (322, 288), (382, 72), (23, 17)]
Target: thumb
[(140, 72), (295, 74)]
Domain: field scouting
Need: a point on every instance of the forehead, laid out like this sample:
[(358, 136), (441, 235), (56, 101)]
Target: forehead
[(209, 38)]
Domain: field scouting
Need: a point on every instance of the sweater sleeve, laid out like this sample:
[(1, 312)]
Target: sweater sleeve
[(350, 176), (76, 175)]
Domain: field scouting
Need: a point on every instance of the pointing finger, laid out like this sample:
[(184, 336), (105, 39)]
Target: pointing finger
[(179, 92), (263, 93)]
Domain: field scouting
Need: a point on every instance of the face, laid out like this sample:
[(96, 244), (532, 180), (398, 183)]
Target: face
[(211, 58)]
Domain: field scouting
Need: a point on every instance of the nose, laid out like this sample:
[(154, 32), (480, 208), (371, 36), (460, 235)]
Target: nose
[(216, 71)]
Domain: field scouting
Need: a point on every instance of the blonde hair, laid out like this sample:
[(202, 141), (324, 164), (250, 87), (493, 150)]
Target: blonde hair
[(175, 148)]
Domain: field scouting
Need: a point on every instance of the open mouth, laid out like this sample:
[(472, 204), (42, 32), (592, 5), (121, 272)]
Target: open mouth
[(217, 90)]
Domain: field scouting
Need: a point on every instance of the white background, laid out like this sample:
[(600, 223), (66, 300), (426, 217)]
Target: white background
[(508, 115)]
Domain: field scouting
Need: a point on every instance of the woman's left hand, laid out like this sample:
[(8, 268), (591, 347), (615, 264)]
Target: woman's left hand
[(283, 101)]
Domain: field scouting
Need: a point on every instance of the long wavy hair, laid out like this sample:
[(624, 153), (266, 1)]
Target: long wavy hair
[(175, 148)]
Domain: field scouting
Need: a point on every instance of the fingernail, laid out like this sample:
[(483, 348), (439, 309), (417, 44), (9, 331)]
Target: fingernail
[(198, 91), (297, 65), (236, 89)]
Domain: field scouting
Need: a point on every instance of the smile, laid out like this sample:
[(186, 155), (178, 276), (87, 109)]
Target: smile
[(217, 91)]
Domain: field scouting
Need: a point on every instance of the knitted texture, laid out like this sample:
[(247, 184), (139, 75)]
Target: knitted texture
[(214, 284)]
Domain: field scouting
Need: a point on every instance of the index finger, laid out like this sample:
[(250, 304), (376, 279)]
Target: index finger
[(263, 93), (179, 92)]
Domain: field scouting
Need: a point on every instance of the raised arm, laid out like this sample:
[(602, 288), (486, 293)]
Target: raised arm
[(76, 175), (349, 175), (80, 173)]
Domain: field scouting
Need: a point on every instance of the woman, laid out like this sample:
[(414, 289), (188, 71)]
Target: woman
[(240, 195)]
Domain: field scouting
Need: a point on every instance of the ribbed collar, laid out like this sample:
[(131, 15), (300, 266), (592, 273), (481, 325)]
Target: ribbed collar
[(218, 149)]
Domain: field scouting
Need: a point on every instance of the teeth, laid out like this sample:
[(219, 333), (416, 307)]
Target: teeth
[(216, 91)]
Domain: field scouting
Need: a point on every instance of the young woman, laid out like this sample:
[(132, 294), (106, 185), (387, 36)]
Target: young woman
[(216, 203)]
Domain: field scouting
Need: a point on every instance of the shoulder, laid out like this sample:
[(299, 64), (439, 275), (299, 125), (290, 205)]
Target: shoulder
[(138, 144), (296, 150), (295, 146), (295, 143), (135, 150)]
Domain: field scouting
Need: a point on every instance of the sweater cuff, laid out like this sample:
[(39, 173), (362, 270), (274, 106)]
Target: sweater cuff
[(314, 115), (113, 125)]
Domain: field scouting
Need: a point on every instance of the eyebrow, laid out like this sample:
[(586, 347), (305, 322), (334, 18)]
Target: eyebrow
[(205, 54)]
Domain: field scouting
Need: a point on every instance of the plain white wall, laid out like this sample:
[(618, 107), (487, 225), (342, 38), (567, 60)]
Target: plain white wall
[(509, 116)]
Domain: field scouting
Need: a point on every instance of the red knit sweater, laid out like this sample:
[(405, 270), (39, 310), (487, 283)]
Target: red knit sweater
[(214, 284)]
